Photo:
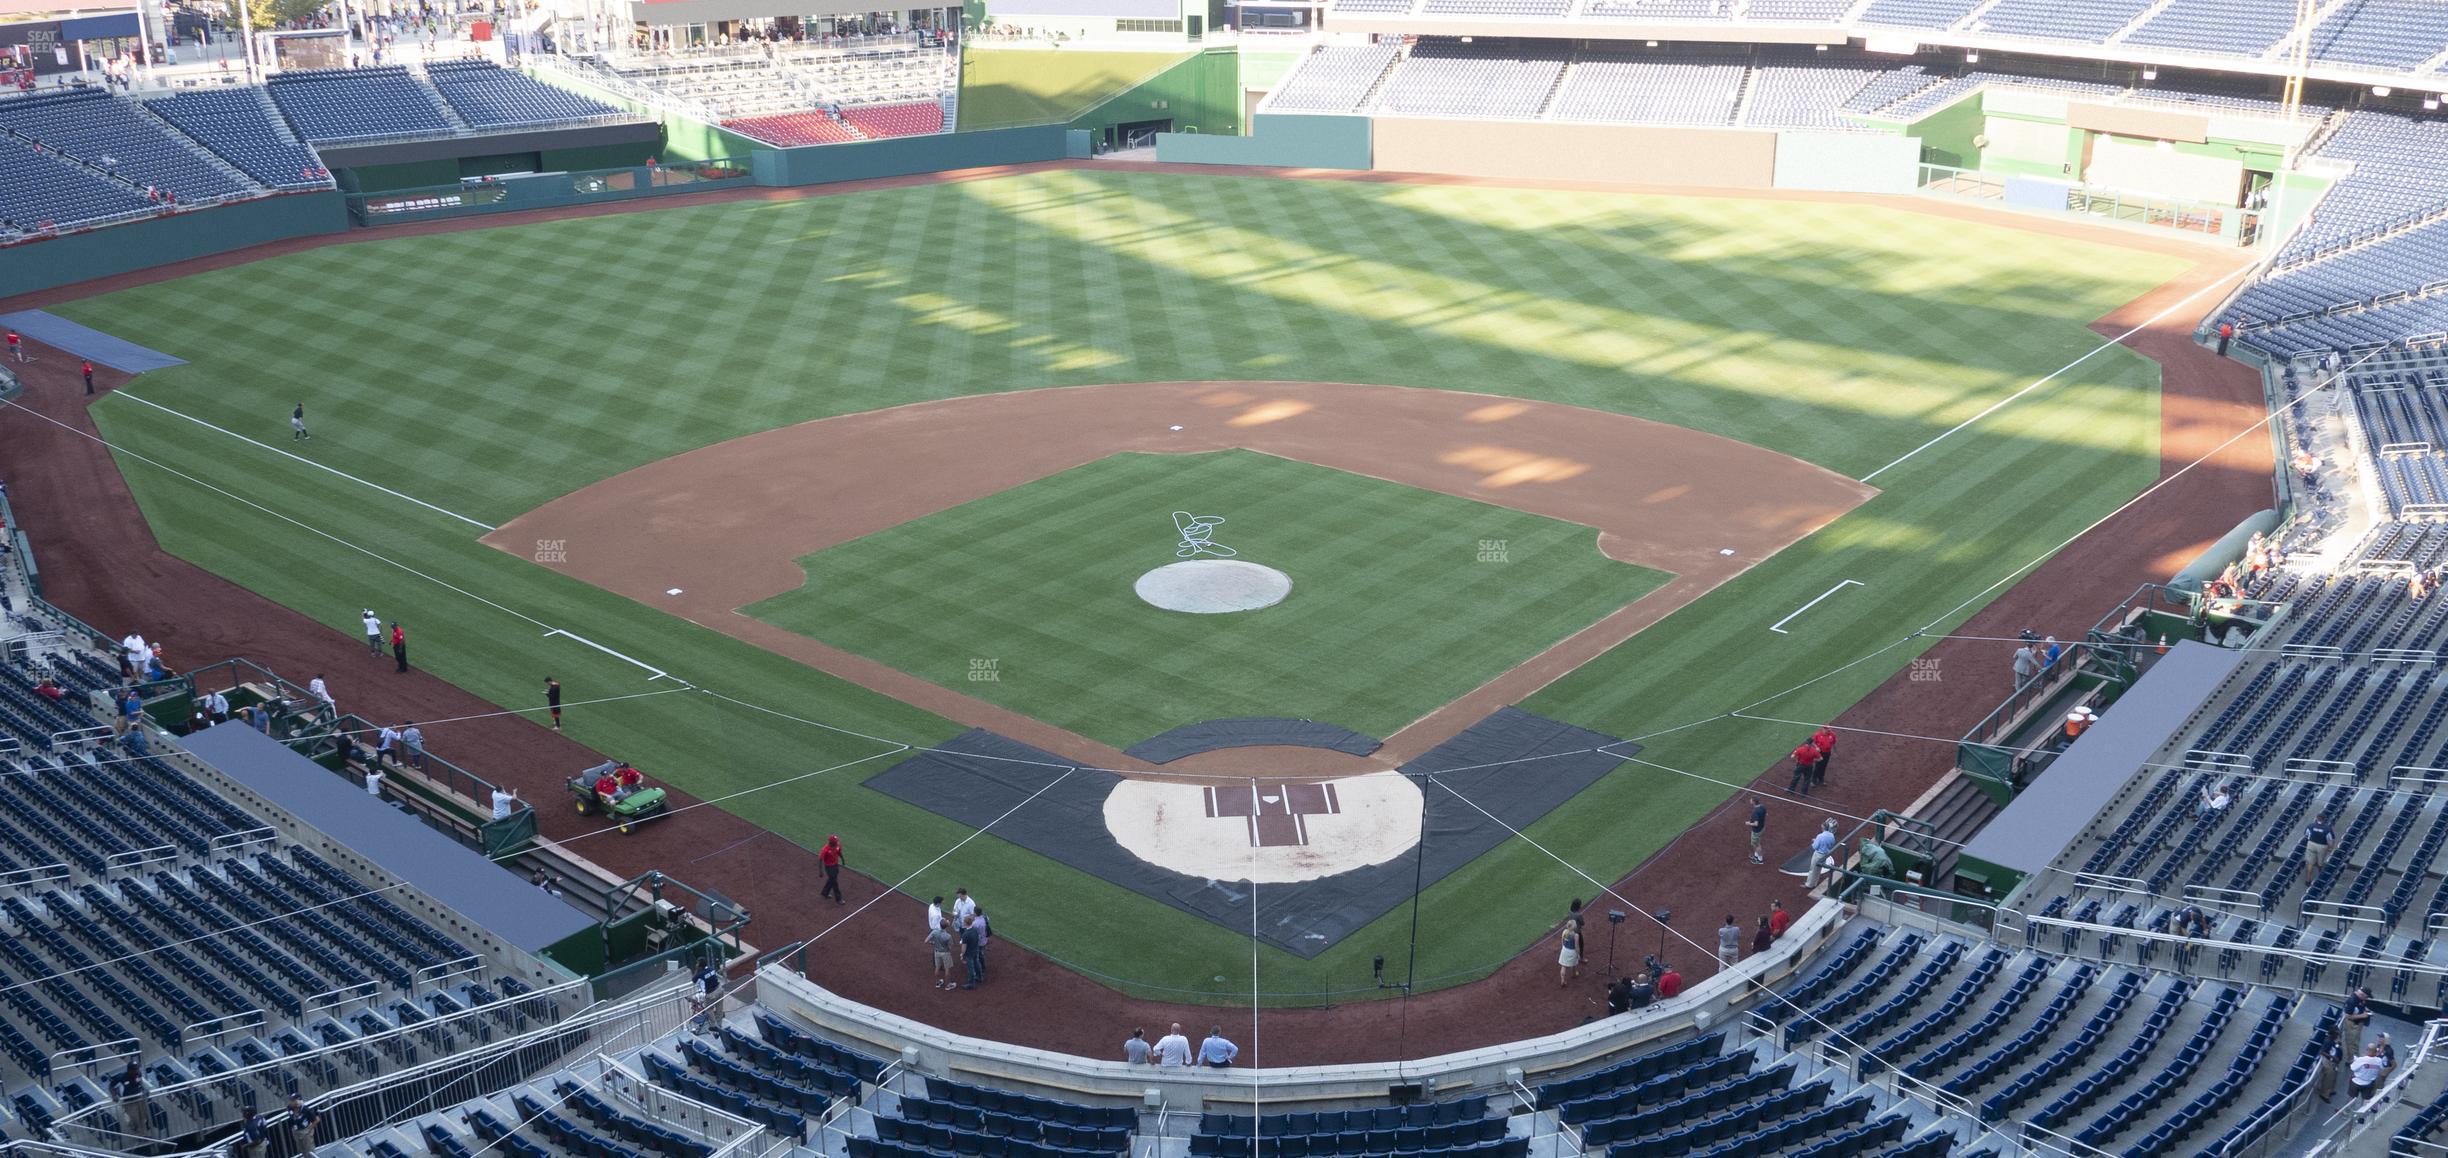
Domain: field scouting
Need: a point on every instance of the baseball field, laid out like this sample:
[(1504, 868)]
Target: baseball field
[(456, 383)]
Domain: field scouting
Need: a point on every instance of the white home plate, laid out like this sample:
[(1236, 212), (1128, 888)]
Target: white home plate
[(1270, 832), (1213, 586)]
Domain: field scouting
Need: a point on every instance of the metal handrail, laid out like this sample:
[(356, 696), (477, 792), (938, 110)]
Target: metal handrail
[(216, 1027), (414, 1030)]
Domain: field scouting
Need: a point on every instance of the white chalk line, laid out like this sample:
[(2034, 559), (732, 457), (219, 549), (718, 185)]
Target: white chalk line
[(1779, 626), (2002, 403), (303, 459)]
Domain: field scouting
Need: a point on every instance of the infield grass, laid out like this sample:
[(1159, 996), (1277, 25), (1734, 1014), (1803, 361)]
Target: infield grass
[(1024, 598), (490, 370)]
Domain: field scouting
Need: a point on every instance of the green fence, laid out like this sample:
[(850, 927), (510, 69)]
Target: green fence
[(513, 192)]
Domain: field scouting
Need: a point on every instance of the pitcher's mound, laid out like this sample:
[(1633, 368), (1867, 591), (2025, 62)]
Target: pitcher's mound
[(1213, 586)]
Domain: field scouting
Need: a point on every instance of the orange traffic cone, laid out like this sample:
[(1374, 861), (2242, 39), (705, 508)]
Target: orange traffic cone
[(2163, 643)]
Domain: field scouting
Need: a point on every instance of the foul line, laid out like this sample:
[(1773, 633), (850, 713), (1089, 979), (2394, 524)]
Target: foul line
[(1779, 626), (302, 459), (659, 673), (2001, 403)]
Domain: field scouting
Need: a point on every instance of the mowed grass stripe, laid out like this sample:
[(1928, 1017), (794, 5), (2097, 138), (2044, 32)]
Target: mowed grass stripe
[(1869, 331)]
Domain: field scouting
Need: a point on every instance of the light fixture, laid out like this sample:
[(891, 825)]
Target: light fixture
[(2150, 74), (2382, 90), (1971, 58), (1819, 48), (2431, 104), (1653, 44)]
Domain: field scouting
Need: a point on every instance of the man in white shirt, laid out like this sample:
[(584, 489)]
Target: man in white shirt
[(374, 780), (216, 706), (1173, 1049), (934, 915), (2367, 1071), (385, 746), (321, 692), (373, 630), (963, 908), (504, 800)]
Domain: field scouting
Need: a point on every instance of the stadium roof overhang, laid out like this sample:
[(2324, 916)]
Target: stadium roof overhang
[(1902, 42)]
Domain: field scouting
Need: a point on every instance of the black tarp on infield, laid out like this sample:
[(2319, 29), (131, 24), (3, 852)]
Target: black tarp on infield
[(1513, 764), (1250, 732)]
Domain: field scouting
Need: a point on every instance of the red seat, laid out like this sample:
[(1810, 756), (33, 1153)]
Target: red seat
[(901, 120), (789, 129)]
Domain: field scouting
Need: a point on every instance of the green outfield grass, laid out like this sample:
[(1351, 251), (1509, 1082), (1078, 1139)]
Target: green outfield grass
[(1037, 582), (487, 371)]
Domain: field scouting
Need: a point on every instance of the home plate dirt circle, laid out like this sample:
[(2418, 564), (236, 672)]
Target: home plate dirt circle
[(1213, 586), (1268, 832)]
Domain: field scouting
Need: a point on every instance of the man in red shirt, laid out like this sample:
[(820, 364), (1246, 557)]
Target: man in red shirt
[(399, 645), (1805, 758), (630, 779), (1778, 919), (16, 347), (1669, 983), (89, 376), (1825, 740), (830, 856), (607, 789)]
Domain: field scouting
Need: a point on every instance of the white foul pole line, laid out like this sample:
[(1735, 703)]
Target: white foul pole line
[(1779, 626)]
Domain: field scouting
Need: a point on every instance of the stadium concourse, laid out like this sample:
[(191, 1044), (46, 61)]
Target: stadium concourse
[(102, 566)]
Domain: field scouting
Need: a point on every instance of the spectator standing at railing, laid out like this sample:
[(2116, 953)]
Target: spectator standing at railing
[(2368, 1069), (2026, 666), (1763, 939), (216, 707), (1778, 918), (124, 720), (412, 738), (1729, 940), (1173, 1049), (322, 693)]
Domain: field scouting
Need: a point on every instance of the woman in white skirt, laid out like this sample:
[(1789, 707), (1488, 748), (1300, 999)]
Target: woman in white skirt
[(1568, 962)]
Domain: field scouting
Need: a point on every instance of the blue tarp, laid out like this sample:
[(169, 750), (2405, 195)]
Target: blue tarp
[(84, 342)]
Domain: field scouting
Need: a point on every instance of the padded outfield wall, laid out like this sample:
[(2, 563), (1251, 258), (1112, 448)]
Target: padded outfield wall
[(41, 265)]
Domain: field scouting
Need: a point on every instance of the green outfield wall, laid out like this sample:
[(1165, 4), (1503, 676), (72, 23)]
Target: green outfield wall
[(902, 156), (41, 265)]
